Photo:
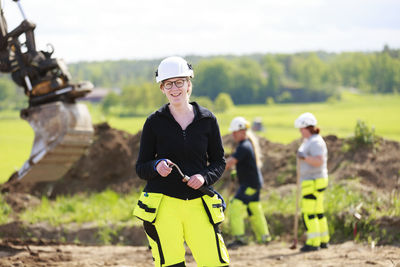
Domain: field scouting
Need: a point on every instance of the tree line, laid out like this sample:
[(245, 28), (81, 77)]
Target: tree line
[(251, 79)]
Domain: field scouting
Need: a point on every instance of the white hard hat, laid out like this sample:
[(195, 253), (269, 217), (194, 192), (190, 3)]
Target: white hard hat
[(305, 120), (239, 123), (173, 67)]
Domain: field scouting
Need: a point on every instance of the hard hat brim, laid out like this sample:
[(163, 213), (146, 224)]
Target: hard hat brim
[(184, 74)]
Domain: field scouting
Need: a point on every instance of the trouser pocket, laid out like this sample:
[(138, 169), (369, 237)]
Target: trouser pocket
[(147, 207), (321, 184), (213, 207)]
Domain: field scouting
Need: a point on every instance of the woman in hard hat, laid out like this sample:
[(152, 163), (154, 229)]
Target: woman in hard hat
[(313, 156), (174, 211), (247, 160)]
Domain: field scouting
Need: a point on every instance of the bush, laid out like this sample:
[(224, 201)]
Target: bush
[(363, 136), (204, 101), (285, 97), (111, 100), (223, 102), (5, 210), (269, 101)]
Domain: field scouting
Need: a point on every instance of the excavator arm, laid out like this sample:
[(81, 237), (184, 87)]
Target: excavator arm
[(63, 128)]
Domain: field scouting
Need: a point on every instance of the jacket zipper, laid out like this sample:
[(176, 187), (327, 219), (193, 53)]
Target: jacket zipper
[(184, 135)]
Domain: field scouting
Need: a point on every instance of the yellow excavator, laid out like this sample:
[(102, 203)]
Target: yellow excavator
[(63, 128)]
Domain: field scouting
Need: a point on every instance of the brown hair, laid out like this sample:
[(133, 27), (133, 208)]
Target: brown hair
[(313, 129)]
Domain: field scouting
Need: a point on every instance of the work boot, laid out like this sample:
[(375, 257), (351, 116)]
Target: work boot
[(324, 245), (308, 248), (265, 239), (236, 244)]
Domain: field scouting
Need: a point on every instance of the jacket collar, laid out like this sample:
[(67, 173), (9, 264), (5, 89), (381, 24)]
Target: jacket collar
[(199, 111)]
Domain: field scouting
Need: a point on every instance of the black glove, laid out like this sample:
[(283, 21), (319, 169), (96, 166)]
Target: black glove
[(301, 155)]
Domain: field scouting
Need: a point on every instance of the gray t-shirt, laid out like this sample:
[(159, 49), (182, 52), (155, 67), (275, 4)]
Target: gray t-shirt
[(314, 146)]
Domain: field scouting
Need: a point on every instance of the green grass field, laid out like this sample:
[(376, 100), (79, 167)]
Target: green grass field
[(339, 118), (109, 208), (16, 140)]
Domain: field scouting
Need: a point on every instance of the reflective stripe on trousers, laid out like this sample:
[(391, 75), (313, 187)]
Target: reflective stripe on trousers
[(180, 221), (312, 206)]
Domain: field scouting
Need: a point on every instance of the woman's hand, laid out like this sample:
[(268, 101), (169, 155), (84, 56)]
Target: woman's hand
[(163, 169), (314, 161), (196, 181)]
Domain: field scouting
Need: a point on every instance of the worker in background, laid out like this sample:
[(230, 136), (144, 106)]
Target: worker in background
[(313, 156), (174, 211), (247, 160)]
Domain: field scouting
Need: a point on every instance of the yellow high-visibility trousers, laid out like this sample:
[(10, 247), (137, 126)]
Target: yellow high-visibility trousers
[(180, 221), (238, 211), (312, 207), (258, 222)]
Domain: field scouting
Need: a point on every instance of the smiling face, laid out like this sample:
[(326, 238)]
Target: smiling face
[(177, 90)]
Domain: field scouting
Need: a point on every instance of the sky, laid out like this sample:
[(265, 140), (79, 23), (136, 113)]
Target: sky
[(95, 30)]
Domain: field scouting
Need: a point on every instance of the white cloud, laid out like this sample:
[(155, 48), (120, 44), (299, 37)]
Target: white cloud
[(98, 29)]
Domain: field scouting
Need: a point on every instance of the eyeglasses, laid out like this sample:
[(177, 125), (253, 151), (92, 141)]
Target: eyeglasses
[(178, 83)]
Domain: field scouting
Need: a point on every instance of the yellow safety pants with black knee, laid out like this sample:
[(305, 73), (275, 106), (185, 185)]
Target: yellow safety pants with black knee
[(238, 211), (312, 207), (180, 221)]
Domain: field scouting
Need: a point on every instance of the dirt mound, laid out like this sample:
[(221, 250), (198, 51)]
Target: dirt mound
[(378, 167), (110, 163)]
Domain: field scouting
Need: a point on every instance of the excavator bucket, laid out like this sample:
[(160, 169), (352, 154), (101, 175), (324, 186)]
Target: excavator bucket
[(63, 132)]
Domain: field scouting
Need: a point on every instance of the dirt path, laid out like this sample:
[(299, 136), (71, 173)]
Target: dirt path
[(275, 254)]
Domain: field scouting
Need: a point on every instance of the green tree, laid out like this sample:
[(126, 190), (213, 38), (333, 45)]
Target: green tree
[(333, 75), (274, 72), (11, 97), (248, 79), (309, 71), (212, 77), (223, 103), (385, 73), (204, 101), (354, 70), (285, 97), (269, 101), (111, 100), (143, 98), (252, 79)]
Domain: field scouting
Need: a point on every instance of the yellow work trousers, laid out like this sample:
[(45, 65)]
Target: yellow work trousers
[(238, 211), (180, 221), (312, 207)]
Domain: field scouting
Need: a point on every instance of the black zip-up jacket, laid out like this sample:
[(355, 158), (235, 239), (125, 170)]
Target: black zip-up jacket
[(247, 171), (196, 150)]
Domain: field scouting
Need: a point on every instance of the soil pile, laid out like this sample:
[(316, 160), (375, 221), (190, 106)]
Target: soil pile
[(110, 163), (378, 167)]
